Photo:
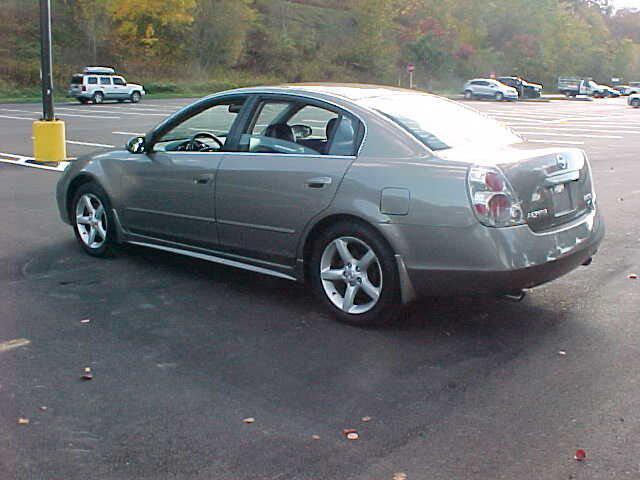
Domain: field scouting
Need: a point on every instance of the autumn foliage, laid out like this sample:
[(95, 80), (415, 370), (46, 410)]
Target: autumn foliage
[(167, 43)]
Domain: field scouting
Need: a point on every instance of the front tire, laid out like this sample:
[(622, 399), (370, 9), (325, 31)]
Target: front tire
[(468, 95), (135, 97), (635, 103), (353, 271), (499, 96), (94, 224)]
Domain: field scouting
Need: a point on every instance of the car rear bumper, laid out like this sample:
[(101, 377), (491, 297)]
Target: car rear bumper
[(75, 94), (510, 259)]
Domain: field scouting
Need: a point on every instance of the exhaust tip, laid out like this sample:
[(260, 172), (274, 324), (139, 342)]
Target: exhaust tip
[(516, 296)]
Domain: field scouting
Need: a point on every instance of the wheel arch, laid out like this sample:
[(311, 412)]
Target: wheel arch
[(81, 179), (322, 224)]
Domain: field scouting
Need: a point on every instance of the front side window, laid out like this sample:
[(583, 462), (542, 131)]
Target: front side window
[(105, 81), (440, 123), (118, 81), (206, 131), (293, 127)]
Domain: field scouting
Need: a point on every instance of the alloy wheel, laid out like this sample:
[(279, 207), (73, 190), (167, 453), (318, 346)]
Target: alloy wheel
[(91, 221), (351, 275)]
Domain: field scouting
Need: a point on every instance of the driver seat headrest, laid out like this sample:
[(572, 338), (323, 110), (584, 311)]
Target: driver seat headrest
[(281, 131)]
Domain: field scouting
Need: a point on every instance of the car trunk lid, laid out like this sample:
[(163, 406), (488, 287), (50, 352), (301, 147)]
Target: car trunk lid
[(553, 184)]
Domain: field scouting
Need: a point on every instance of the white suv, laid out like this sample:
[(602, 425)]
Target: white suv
[(97, 84), (489, 88)]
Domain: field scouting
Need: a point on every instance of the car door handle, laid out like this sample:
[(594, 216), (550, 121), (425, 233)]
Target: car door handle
[(319, 182), (203, 179)]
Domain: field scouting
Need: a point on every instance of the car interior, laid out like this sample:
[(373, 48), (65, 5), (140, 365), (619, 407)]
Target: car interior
[(280, 127)]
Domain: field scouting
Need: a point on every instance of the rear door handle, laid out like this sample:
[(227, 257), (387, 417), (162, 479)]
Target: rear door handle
[(203, 179), (319, 182)]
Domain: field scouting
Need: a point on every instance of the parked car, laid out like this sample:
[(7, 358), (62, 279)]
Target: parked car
[(525, 89), (489, 88), (375, 196), (610, 91), (574, 86), (97, 84), (625, 89), (634, 100)]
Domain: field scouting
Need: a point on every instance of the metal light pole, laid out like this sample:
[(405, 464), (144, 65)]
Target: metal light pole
[(49, 143), (46, 60)]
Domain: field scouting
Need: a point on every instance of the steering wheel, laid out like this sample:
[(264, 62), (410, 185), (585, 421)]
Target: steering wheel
[(193, 141)]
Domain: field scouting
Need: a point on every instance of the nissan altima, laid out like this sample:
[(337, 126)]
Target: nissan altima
[(375, 196)]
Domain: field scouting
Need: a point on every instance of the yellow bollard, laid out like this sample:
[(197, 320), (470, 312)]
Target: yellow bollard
[(49, 143)]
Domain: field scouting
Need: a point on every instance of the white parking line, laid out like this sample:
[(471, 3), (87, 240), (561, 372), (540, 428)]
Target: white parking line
[(127, 133), (25, 161), (160, 110), (88, 144), (573, 129), (17, 118), (567, 142), (121, 111), (62, 115), (577, 135)]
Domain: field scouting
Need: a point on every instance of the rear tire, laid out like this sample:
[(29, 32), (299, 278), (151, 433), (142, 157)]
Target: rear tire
[(135, 97), (98, 98), (93, 221), (635, 103), (354, 273)]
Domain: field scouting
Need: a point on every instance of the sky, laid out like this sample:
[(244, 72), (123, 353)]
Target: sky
[(626, 3)]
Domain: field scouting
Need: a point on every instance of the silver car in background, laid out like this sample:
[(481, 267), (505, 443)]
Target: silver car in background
[(375, 196), (488, 88)]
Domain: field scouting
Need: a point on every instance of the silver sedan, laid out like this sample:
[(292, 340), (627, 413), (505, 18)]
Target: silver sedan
[(374, 196)]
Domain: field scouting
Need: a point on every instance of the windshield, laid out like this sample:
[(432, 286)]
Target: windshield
[(440, 123)]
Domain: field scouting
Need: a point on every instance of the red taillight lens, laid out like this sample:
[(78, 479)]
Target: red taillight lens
[(494, 181), (499, 207), (493, 200)]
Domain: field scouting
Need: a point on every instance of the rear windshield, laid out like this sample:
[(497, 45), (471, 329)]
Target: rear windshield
[(440, 123), (76, 79)]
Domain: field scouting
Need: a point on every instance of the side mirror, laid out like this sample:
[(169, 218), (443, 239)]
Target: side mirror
[(136, 145), (301, 131)]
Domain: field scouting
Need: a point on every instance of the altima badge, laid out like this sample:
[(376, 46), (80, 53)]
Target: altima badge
[(538, 213)]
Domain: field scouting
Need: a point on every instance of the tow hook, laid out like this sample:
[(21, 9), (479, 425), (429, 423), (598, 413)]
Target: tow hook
[(516, 296), (587, 262)]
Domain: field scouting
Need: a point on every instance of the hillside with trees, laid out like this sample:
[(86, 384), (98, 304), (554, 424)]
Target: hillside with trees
[(202, 45)]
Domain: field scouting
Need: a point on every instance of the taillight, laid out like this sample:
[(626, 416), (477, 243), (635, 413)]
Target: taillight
[(494, 201)]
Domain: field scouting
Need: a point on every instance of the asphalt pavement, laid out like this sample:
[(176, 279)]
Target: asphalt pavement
[(182, 351)]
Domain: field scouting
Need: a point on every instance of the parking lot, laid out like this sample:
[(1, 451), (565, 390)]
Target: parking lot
[(182, 350)]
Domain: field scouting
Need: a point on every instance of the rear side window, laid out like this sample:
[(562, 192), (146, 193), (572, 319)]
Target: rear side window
[(76, 80), (92, 80), (105, 81)]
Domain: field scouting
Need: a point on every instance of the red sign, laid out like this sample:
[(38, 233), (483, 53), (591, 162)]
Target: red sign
[(410, 67)]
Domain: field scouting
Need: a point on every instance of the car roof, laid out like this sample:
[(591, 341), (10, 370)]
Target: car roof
[(352, 92)]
